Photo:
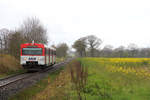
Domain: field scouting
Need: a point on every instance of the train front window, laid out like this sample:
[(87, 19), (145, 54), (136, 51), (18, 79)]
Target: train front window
[(31, 51)]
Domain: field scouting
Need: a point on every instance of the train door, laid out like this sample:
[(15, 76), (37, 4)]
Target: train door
[(50, 56), (54, 57), (47, 57)]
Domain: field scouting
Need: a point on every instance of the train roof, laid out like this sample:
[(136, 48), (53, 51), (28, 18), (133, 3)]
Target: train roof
[(46, 46), (40, 45), (32, 45)]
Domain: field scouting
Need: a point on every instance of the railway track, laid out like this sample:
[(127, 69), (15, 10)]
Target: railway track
[(12, 79), (13, 84)]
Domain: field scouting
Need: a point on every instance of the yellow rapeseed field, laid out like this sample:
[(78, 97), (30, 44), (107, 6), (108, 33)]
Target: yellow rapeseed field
[(118, 78), (137, 66)]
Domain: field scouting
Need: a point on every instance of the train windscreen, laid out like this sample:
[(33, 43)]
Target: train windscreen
[(31, 51)]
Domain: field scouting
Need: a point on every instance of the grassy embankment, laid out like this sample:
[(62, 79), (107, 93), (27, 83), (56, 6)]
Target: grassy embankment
[(9, 65), (98, 79)]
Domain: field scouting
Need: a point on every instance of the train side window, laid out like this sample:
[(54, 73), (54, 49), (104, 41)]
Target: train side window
[(49, 51), (46, 51), (52, 52)]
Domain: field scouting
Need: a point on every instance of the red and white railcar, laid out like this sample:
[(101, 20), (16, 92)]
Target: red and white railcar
[(37, 56)]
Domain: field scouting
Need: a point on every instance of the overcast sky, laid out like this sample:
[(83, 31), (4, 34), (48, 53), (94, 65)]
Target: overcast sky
[(116, 22)]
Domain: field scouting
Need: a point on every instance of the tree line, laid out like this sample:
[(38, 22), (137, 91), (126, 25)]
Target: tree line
[(30, 29), (88, 46), (132, 51)]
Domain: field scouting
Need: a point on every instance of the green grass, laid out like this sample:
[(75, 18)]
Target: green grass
[(28, 93), (105, 85)]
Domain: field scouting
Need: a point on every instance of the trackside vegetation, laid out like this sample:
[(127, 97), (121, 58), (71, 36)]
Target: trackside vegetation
[(30, 92), (9, 65)]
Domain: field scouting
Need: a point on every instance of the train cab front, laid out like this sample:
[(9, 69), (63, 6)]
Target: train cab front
[(32, 57), (32, 61)]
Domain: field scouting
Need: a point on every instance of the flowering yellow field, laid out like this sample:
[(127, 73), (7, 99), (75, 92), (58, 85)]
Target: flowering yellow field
[(118, 78), (128, 59), (137, 66)]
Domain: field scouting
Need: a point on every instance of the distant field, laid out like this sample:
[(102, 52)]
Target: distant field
[(117, 78)]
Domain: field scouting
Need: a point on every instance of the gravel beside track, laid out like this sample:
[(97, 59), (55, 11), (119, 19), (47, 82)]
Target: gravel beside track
[(24, 80)]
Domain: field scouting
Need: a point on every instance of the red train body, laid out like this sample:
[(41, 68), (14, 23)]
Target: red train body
[(36, 56)]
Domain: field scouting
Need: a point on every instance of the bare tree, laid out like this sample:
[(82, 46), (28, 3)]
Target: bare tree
[(61, 50), (1, 42), (32, 29), (93, 42), (4, 37), (107, 51), (133, 48), (80, 45), (15, 39), (144, 52), (120, 52)]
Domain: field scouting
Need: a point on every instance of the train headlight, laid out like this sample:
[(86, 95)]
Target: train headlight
[(39, 58), (25, 58)]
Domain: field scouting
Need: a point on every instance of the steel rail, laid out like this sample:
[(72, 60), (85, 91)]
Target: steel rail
[(14, 79), (18, 77), (10, 76)]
